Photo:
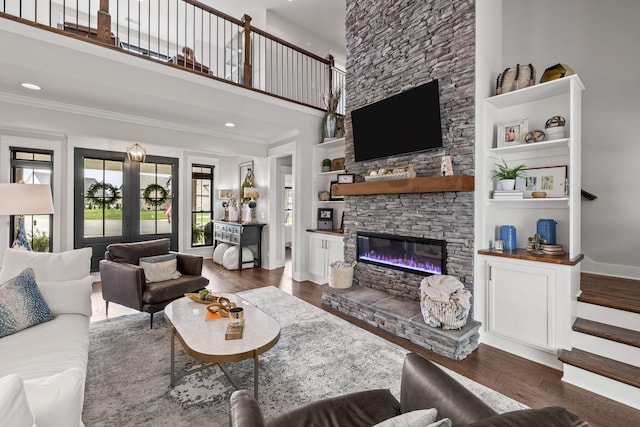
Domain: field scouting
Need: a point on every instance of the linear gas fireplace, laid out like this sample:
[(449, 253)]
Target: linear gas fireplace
[(412, 254)]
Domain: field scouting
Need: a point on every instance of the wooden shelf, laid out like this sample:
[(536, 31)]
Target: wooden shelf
[(528, 256), (427, 184)]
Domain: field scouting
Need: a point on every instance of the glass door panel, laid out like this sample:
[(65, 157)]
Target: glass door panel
[(103, 201), (155, 198)]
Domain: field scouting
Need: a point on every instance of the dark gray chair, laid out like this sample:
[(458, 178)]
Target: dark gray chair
[(124, 282)]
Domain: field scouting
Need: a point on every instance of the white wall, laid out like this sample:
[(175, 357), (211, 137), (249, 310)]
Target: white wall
[(599, 40), (302, 38)]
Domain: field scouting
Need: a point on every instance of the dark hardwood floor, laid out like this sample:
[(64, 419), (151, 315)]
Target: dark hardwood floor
[(533, 384)]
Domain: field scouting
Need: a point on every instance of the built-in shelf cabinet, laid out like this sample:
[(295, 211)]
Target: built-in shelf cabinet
[(325, 247), (527, 302), (322, 180)]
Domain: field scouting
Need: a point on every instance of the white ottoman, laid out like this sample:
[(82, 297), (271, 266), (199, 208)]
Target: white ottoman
[(219, 251), (230, 258)]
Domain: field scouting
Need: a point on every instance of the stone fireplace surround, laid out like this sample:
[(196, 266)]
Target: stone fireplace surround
[(391, 49), (389, 299)]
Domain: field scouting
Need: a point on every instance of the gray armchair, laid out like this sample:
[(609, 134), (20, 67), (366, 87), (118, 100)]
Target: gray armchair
[(124, 281), (424, 385)]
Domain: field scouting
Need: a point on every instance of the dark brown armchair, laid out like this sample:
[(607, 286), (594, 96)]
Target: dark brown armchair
[(124, 281)]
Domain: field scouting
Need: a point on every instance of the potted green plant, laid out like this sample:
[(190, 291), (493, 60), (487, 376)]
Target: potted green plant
[(507, 175), (326, 165)]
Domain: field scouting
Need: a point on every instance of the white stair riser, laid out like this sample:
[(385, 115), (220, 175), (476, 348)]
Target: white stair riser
[(603, 386), (609, 316), (607, 348)]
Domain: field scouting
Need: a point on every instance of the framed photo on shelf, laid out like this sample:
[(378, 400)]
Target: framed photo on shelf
[(331, 195), (325, 213), (346, 178), (512, 133), (551, 180), (325, 218)]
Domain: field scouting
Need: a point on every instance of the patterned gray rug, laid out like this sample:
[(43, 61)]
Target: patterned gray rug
[(318, 355)]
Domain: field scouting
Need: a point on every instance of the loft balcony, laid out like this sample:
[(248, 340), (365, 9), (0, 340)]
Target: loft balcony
[(194, 37)]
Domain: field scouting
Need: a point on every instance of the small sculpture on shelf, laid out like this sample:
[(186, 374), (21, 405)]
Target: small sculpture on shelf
[(535, 244)]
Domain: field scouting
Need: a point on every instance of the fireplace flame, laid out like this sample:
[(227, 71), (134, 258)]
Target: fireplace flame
[(413, 263)]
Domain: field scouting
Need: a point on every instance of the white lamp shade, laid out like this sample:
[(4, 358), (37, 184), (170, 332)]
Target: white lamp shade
[(251, 193), (25, 199)]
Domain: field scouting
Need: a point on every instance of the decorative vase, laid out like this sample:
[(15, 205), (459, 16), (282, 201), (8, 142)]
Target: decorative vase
[(506, 184), (329, 125), (508, 235)]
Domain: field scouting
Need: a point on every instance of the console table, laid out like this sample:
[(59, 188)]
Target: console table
[(240, 234)]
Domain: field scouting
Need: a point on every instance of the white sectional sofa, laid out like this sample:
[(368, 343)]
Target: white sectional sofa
[(47, 363)]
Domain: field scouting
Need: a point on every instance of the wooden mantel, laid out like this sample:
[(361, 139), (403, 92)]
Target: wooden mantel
[(427, 184)]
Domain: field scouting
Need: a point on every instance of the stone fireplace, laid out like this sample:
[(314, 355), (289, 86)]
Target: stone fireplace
[(391, 49)]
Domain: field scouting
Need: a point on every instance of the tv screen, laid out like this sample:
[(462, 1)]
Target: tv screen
[(404, 123)]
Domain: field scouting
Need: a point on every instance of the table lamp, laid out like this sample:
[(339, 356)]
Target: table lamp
[(21, 200), (252, 193), (225, 196)]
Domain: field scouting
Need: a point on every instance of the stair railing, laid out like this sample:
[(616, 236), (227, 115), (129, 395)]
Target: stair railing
[(189, 34)]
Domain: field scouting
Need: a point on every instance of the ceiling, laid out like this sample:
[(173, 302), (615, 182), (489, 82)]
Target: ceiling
[(98, 87)]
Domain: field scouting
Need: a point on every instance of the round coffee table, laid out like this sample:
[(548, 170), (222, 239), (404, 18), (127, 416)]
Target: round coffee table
[(205, 339)]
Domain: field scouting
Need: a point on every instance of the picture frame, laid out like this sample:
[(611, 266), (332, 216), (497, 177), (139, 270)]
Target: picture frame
[(346, 178), (325, 214), (512, 133), (243, 168), (332, 196), (550, 179)]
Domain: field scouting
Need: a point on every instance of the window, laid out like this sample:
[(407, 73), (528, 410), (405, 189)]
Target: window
[(32, 166), (288, 206), (201, 205)]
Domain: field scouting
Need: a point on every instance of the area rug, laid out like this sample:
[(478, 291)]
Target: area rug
[(318, 355)]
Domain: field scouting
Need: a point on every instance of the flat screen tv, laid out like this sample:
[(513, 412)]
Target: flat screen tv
[(404, 123)]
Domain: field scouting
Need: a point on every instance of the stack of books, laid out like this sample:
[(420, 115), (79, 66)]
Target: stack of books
[(508, 194)]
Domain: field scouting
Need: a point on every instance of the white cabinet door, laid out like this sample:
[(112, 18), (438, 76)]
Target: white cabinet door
[(317, 259), (323, 250), (521, 304)]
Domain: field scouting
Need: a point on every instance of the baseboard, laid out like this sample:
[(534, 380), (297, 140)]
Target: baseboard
[(625, 271)]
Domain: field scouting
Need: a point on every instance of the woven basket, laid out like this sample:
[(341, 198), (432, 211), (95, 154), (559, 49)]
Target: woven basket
[(340, 277), (449, 314)]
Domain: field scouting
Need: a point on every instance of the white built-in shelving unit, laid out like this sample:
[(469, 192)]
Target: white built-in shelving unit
[(527, 302)]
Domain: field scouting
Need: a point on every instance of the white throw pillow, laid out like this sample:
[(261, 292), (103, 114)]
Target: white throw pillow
[(14, 407), (68, 297), (57, 400), (417, 418), (69, 265), (160, 268)]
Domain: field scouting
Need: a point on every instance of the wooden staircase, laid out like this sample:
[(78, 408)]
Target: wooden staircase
[(605, 354)]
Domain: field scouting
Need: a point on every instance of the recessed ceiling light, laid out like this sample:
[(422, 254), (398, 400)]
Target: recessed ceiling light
[(30, 86), (230, 125)]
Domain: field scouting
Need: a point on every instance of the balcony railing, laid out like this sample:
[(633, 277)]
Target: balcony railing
[(189, 34)]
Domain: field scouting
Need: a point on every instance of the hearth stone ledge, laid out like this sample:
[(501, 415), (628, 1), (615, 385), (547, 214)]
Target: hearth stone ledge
[(403, 318)]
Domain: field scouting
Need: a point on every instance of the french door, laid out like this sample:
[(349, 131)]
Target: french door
[(118, 201)]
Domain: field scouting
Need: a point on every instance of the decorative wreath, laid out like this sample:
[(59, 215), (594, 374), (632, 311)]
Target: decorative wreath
[(160, 193), (103, 194)]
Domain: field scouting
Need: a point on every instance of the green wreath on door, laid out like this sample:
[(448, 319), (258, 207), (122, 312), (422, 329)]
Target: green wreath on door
[(155, 195), (103, 194)]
